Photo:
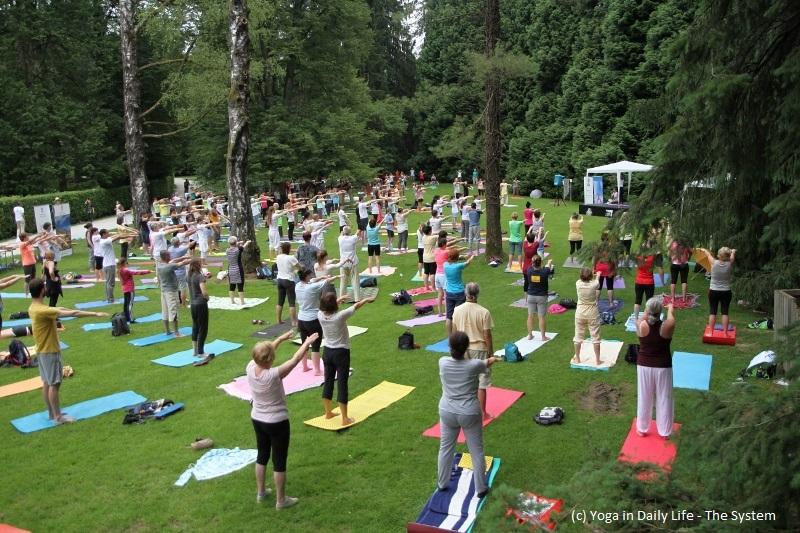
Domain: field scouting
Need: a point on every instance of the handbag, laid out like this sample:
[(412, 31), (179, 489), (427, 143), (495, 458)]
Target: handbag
[(405, 341)]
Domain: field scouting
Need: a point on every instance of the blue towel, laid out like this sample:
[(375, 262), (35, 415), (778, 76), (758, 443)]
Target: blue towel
[(14, 295), (94, 326), (603, 305), (443, 346), (217, 462), (659, 282), (691, 370), (103, 303), (63, 345), (186, 357), (80, 411), (159, 337), (27, 321)]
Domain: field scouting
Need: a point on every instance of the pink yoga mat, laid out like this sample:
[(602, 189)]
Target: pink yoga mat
[(497, 402), (420, 290), (296, 381), (430, 301), (650, 448), (422, 321)]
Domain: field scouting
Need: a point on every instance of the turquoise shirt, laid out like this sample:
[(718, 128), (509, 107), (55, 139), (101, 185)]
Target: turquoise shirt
[(452, 272), (373, 235)]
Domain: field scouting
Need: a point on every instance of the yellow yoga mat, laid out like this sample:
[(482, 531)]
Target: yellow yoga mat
[(466, 461), (609, 351), (352, 330), (363, 406), (21, 386)]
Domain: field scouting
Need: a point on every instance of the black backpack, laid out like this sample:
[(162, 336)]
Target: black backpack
[(423, 310), (266, 272), (119, 325), (568, 303), (632, 354), (19, 315), (401, 298), (406, 341), (549, 416), (369, 282), (19, 354)]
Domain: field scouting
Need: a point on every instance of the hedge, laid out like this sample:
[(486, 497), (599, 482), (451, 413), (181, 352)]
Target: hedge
[(104, 201)]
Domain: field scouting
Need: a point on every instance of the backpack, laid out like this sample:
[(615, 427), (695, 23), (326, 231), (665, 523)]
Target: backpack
[(264, 272), (369, 282), (401, 298), (19, 315), (607, 317), (423, 310), (18, 354), (140, 413), (568, 303), (511, 353), (549, 415), (119, 326), (405, 341), (632, 354)]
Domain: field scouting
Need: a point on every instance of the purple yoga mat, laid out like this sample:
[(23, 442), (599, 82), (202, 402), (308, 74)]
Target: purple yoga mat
[(619, 283), (421, 321)]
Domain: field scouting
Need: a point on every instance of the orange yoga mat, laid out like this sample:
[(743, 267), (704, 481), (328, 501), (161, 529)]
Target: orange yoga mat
[(21, 386)]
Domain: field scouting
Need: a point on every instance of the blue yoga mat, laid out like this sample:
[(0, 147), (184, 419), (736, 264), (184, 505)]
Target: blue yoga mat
[(186, 357), (659, 282), (604, 306), (81, 411), (443, 346), (146, 286), (95, 326), (27, 321), (691, 370), (103, 303), (14, 295), (63, 345), (159, 338)]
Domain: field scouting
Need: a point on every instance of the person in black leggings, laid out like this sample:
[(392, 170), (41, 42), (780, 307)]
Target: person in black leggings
[(199, 307)]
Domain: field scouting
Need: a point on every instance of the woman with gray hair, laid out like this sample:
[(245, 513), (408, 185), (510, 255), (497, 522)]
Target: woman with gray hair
[(654, 369), (235, 269), (719, 292)]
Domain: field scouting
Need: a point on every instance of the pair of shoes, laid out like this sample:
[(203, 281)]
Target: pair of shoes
[(441, 489), (261, 496), (484, 493), (288, 501), (64, 419)]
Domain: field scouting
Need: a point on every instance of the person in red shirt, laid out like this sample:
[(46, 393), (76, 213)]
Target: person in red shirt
[(527, 217), (128, 292), (645, 284), (529, 247), (606, 271), (421, 176)]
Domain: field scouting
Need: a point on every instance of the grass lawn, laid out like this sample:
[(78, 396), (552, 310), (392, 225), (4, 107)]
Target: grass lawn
[(100, 475)]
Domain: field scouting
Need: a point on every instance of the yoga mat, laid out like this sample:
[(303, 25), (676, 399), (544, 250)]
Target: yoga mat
[(146, 287), (457, 508), (296, 381), (21, 386), (5, 528), (650, 448), (519, 283), (149, 281), (659, 282), (440, 347), (186, 357), (717, 336), (497, 402), (103, 303), (94, 326), (417, 278), (680, 303), (619, 283), (428, 301), (13, 295), (395, 252), (364, 293), (515, 269), (385, 271), (528, 346), (270, 332), (80, 411), (159, 337), (522, 303), (217, 302), (573, 264), (354, 331), (691, 370), (432, 318), (603, 305), (630, 324), (27, 321), (609, 351), (420, 290), (76, 285), (364, 405)]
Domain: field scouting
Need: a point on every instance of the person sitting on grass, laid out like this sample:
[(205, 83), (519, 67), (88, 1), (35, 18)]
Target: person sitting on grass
[(654, 369), (336, 356), (270, 415), (44, 325)]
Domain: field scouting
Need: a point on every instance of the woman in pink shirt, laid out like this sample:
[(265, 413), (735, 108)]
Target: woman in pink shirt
[(440, 281), (528, 218), (128, 292), (270, 415)]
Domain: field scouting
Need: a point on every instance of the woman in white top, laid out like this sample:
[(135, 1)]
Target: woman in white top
[(719, 293), (274, 237), (454, 212), (336, 355), (349, 258), (435, 222), (287, 266), (402, 230), (308, 291), (270, 415)]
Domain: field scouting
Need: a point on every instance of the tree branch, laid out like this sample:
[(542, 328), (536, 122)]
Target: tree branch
[(185, 60), (163, 62), (167, 134)]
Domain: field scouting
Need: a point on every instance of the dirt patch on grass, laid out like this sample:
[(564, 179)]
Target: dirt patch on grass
[(602, 398)]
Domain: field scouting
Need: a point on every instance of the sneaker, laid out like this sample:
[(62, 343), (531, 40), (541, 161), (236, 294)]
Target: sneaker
[(65, 419), (261, 496), (288, 501)]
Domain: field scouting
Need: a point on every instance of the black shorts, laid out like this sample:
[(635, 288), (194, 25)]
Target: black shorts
[(420, 251), (645, 291), (390, 233), (429, 268), (30, 271), (98, 263), (272, 438), (373, 249), (719, 299), (362, 224), (236, 286), (307, 328), (608, 280), (286, 288), (683, 270)]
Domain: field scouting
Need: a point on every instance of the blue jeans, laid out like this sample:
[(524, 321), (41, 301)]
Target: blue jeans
[(453, 300)]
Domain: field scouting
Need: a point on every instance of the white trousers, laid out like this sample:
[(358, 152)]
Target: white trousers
[(350, 275), (654, 383)]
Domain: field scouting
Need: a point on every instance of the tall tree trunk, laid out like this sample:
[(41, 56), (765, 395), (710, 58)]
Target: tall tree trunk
[(491, 140), (239, 134), (132, 94)]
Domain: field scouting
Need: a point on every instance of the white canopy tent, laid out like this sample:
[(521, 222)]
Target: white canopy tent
[(619, 168)]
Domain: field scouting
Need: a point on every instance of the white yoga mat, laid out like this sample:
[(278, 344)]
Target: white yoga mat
[(217, 302), (529, 346)]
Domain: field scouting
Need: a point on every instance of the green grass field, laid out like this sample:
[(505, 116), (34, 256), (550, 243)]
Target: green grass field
[(100, 475)]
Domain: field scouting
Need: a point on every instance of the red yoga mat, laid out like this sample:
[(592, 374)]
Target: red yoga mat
[(497, 402), (650, 448), (718, 337), (420, 290)]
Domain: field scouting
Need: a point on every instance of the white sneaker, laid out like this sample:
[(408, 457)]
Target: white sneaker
[(65, 419), (263, 496), (288, 501)]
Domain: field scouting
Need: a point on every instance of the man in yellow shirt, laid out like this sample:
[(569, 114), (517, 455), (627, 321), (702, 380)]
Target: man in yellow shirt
[(44, 321)]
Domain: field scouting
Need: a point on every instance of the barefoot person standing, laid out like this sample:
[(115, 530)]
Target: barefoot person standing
[(587, 314), (654, 369), (44, 323)]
